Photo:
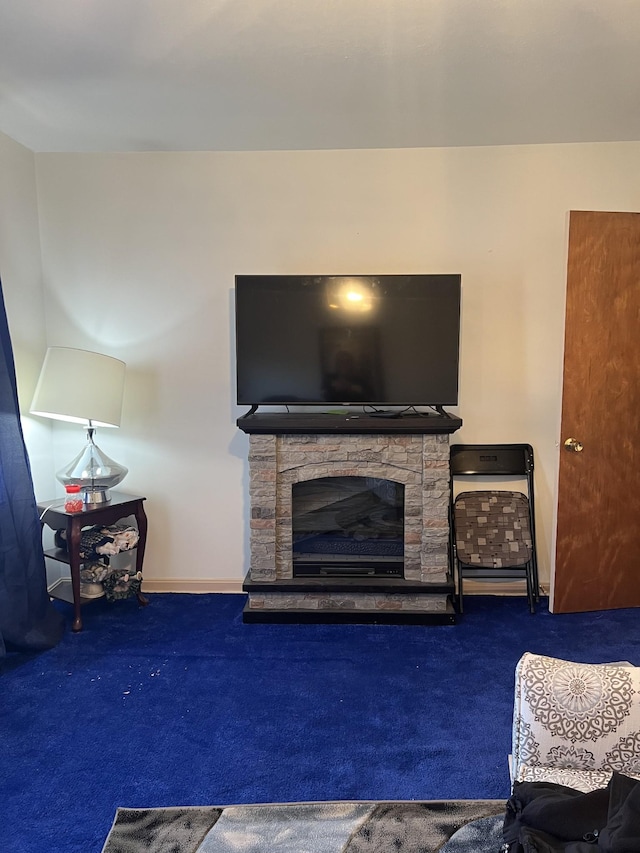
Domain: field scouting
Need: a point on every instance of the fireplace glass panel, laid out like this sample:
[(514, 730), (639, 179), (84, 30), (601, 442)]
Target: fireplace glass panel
[(348, 526)]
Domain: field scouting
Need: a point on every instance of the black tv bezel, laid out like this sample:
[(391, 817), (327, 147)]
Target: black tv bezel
[(374, 404)]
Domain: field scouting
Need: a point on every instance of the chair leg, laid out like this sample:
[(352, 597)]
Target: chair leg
[(536, 580), (531, 587), (460, 606)]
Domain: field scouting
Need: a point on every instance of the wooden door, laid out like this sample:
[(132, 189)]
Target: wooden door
[(598, 534)]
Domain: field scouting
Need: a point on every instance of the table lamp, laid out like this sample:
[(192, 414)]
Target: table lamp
[(85, 388)]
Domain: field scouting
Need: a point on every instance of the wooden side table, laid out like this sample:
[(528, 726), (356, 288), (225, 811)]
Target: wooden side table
[(52, 513)]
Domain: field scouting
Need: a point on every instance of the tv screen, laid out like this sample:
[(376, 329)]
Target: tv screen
[(386, 340)]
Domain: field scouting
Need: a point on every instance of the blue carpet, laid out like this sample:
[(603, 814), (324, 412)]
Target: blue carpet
[(180, 703)]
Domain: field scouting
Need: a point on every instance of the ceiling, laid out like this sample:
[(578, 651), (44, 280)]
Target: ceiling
[(189, 75)]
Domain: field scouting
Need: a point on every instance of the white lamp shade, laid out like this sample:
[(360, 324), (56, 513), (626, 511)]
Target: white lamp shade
[(80, 386)]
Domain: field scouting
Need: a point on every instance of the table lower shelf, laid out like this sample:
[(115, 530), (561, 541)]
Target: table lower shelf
[(63, 591)]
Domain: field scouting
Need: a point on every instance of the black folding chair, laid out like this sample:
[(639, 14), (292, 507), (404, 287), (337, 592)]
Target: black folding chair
[(492, 531)]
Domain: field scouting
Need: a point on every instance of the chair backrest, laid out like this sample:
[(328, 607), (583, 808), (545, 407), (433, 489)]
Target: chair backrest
[(490, 459)]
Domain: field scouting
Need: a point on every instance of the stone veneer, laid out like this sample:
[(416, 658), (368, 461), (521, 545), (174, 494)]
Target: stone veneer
[(419, 461)]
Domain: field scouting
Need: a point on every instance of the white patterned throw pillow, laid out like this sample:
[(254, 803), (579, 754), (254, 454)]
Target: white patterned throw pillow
[(575, 723)]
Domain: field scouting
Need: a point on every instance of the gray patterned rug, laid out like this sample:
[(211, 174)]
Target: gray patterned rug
[(456, 826)]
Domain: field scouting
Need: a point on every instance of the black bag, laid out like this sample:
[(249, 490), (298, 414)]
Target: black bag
[(543, 817)]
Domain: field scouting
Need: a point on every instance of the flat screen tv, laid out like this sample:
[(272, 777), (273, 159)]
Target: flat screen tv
[(336, 340)]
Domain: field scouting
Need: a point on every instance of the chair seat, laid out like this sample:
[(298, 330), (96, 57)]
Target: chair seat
[(492, 529)]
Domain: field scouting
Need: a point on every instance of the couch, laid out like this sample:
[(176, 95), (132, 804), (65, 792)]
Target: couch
[(575, 723)]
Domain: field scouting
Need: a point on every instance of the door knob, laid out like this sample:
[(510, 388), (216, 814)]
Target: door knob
[(574, 445)]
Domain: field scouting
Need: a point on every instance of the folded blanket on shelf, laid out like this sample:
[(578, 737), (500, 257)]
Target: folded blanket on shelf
[(100, 541), (97, 545)]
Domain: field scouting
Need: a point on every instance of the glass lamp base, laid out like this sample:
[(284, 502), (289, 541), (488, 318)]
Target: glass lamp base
[(94, 472), (95, 495)]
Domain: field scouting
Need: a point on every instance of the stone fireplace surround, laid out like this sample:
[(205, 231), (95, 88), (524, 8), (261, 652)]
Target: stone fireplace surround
[(284, 451)]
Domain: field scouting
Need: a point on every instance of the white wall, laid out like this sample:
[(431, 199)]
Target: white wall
[(139, 254), (20, 270)]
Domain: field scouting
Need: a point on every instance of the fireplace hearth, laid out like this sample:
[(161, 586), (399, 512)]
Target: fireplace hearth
[(349, 527)]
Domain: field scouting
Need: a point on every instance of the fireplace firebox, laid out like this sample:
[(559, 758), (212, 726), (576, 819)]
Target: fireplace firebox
[(347, 527)]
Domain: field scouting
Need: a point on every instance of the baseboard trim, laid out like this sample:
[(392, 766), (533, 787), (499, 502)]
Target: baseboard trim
[(492, 587), (190, 585)]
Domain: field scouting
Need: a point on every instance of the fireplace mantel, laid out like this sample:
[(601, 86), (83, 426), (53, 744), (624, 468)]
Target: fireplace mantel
[(328, 423)]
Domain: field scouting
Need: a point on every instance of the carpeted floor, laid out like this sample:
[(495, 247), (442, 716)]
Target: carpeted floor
[(342, 827), (181, 703)]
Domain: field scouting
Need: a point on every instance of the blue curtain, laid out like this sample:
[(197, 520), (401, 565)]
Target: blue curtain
[(28, 620)]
